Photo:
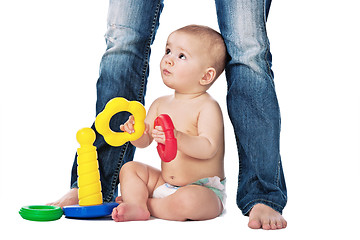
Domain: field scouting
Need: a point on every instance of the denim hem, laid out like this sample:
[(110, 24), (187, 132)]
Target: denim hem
[(74, 185), (246, 209)]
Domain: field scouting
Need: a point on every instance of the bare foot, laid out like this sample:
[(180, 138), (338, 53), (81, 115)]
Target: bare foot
[(262, 216), (70, 198), (128, 212)]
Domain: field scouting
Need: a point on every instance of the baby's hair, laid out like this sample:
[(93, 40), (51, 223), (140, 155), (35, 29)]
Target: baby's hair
[(214, 42)]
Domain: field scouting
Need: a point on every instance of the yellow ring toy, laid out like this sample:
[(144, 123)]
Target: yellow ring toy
[(116, 105)]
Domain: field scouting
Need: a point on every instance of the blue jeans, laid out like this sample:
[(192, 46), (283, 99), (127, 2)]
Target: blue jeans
[(251, 98)]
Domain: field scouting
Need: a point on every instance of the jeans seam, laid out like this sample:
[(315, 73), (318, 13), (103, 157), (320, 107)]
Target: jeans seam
[(266, 43), (277, 174), (116, 173), (240, 163), (142, 88)]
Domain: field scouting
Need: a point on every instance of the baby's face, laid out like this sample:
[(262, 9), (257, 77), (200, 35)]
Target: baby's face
[(184, 63)]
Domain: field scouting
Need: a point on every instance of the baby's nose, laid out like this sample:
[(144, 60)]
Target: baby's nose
[(169, 61)]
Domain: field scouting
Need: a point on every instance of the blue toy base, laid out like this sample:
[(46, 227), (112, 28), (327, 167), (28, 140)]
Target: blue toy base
[(76, 211)]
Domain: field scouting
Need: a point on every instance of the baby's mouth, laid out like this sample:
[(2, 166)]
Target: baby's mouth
[(166, 72)]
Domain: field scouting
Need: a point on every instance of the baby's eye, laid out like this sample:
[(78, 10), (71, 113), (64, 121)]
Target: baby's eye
[(182, 56), (167, 51)]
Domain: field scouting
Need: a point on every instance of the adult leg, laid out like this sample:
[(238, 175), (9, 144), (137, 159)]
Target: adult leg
[(252, 103), (124, 69)]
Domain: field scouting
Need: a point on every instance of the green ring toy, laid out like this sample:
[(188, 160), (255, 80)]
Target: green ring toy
[(41, 213)]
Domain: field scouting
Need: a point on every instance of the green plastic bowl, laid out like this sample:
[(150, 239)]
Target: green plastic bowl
[(41, 213)]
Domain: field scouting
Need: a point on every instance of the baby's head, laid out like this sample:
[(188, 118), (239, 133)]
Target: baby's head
[(195, 56)]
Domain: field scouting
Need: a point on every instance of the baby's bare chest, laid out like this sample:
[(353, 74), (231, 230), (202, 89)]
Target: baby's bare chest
[(184, 116)]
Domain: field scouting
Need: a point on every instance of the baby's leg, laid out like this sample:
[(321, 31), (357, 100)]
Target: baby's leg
[(189, 202), (137, 181)]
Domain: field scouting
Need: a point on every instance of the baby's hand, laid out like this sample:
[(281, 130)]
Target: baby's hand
[(129, 125), (158, 135)]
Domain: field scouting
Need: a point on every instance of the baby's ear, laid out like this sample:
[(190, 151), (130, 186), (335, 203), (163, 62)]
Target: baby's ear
[(208, 77)]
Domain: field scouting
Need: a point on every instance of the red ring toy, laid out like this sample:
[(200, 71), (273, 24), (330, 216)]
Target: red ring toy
[(167, 151)]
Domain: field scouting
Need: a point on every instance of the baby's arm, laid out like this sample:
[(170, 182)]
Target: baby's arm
[(210, 134)]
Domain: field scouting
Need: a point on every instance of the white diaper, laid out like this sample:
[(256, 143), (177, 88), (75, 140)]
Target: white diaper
[(164, 190)]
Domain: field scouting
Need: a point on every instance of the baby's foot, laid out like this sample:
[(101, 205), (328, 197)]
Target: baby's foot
[(119, 199), (262, 216), (70, 198), (128, 212)]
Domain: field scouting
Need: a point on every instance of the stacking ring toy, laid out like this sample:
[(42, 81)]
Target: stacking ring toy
[(90, 196), (116, 105), (41, 213), (167, 151), (89, 186)]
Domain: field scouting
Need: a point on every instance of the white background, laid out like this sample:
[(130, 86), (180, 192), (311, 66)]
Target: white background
[(49, 61)]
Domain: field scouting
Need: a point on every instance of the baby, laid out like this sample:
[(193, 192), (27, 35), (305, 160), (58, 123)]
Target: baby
[(192, 186)]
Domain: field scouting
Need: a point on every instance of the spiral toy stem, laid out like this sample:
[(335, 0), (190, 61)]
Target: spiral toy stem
[(88, 169)]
